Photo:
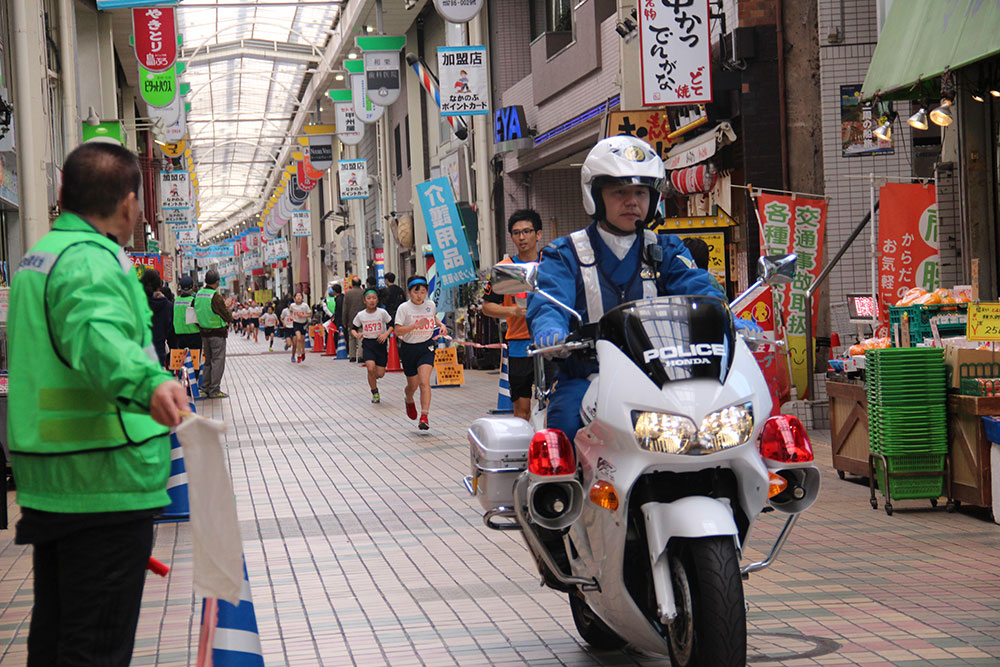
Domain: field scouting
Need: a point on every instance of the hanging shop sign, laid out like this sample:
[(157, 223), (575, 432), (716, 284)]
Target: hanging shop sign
[(858, 121), (458, 11), (465, 86), (907, 242), (275, 250), (676, 53), (177, 131), (187, 235), (366, 110), (444, 230), (320, 156), (177, 216), (700, 148), (175, 190), (154, 31), (381, 61), (283, 209), (108, 131), (303, 174), (794, 224), (296, 195), (353, 177), (301, 223), (696, 222), (653, 127), (350, 130), (158, 89), (173, 149), (510, 130)]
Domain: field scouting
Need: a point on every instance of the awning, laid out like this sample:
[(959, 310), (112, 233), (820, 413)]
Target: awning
[(921, 38), (700, 148)]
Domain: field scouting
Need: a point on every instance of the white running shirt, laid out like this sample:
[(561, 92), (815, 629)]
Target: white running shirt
[(424, 316), (286, 318), (269, 320), (372, 325), (301, 312)]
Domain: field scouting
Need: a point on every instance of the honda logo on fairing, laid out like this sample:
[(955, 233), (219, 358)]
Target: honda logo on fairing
[(692, 355)]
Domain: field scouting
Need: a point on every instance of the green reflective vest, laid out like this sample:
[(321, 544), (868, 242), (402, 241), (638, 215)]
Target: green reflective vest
[(82, 371), (181, 305), (207, 318), (331, 303)]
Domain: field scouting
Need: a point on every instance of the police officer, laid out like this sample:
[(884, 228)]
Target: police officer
[(612, 261), (90, 411)]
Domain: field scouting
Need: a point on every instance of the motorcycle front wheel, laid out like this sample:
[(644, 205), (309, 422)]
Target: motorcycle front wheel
[(711, 625)]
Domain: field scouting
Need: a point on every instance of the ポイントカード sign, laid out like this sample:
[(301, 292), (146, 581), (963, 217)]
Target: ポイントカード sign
[(794, 224), (175, 190), (301, 223), (676, 52), (353, 177), (907, 241), (154, 30), (444, 230), (465, 86)]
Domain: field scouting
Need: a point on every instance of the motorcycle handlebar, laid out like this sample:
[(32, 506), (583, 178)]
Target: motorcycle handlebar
[(567, 346)]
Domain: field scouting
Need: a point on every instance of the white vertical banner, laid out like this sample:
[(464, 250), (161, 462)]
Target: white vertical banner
[(301, 223), (676, 52), (350, 130), (465, 84), (353, 177)]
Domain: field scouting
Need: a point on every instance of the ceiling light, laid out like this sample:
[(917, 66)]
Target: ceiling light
[(978, 96), (918, 120), (995, 90), (352, 55), (942, 114), (369, 28), (339, 77)]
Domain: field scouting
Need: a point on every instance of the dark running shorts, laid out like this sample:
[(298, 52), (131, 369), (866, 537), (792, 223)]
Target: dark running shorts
[(521, 376), (253, 321), (286, 332), (413, 355), (268, 331), (300, 327), (372, 350)]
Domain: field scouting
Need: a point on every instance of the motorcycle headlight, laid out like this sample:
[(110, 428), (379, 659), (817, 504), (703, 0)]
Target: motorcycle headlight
[(664, 433), (726, 428), (675, 434)]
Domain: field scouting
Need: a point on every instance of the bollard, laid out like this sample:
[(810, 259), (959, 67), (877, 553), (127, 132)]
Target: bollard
[(504, 405)]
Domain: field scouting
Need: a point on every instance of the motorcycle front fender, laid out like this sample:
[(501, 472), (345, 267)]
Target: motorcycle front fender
[(690, 517)]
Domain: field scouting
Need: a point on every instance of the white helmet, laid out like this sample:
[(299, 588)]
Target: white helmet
[(620, 160)]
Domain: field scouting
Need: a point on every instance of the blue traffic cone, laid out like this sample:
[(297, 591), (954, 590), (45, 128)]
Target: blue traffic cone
[(192, 381), (177, 484), (504, 404), (341, 348), (236, 640)]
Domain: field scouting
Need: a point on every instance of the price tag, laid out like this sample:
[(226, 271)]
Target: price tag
[(984, 321)]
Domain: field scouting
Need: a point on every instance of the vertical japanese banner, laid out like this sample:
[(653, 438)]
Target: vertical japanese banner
[(773, 364), (380, 268), (907, 242), (795, 224), (444, 230), (675, 52), (465, 86)]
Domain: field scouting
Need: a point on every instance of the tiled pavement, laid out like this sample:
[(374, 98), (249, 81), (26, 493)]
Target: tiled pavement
[(363, 548)]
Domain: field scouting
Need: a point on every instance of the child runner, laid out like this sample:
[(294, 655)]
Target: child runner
[(416, 320), (269, 320), (253, 320), (371, 326), (301, 312), (286, 328)]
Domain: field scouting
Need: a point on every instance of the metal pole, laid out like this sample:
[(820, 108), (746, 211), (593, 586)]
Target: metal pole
[(67, 76), (378, 17)]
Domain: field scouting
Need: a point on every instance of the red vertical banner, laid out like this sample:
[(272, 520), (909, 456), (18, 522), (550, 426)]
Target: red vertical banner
[(760, 309), (794, 224), (154, 31), (907, 242)]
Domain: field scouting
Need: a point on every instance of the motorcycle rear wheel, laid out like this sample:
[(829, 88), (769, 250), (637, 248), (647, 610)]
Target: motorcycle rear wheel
[(592, 629), (711, 625)]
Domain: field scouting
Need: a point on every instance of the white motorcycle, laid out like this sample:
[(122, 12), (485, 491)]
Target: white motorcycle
[(643, 521)]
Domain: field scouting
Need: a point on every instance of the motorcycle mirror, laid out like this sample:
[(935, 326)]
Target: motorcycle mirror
[(777, 269), (511, 278)]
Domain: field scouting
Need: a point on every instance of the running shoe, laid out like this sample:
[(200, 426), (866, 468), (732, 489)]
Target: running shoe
[(375, 397), (220, 394), (411, 410), (423, 425), (302, 358)]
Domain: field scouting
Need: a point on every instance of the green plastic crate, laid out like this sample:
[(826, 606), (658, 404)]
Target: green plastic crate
[(920, 320), (911, 488)]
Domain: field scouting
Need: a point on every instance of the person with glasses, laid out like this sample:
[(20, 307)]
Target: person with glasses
[(525, 229)]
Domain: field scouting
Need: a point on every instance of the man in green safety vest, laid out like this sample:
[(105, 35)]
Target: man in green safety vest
[(186, 330), (213, 318), (90, 411)]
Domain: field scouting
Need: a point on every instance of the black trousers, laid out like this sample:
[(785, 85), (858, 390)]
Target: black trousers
[(88, 589)]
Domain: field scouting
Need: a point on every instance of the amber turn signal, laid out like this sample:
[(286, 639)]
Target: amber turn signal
[(776, 484), (602, 493)]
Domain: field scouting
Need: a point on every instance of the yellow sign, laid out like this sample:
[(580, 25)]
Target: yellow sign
[(172, 150), (716, 242), (446, 355), (177, 358), (696, 222), (984, 321), (449, 372), (652, 126)]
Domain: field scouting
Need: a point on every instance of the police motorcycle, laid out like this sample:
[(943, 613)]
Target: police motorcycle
[(643, 520)]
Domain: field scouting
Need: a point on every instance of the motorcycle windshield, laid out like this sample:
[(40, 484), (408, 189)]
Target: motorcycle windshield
[(674, 338)]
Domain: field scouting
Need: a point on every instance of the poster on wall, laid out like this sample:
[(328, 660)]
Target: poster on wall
[(794, 224), (465, 86), (676, 53), (353, 178), (907, 243), (858, 121), (301, 223)]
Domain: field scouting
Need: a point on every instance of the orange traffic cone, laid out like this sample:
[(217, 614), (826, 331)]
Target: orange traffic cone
[(317, 339), (393, 365), (331, 345)]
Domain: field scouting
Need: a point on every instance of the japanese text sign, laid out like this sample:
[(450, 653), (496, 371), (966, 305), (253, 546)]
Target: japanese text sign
[(350, 130), (301, 223), (159, 89), (465, 87), (650, 126), (175, 190), (452, 258), (794, 224), (458, 11), (353, 177), (984, 321), (907, 241), (155, 33), (676, 52)]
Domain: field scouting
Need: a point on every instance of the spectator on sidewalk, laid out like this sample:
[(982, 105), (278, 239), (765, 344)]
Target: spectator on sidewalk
[(213, 316), (162, 308), (354, 303), (187, 335), (393, 294), (90, 411)]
